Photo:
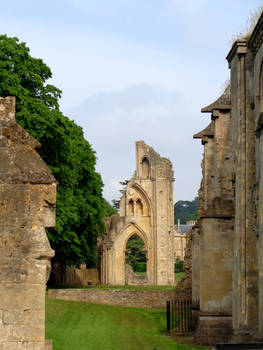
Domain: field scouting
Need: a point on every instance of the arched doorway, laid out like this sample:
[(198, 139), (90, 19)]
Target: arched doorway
[(135, 261)]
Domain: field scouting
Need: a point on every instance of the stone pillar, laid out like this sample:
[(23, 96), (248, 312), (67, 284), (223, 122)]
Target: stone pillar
[(245, 264), (215, 224), (27, 207)]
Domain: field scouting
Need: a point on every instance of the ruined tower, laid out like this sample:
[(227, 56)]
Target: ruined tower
[(146, 209)]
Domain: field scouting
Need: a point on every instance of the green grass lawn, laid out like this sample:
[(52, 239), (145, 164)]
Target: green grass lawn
[(178, 276), (79, 326)]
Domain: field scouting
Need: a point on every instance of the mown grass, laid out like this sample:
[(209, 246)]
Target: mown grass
[(79, 326), (178, 276)]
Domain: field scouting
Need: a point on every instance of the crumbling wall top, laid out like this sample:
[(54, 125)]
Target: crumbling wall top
[(20, 163)]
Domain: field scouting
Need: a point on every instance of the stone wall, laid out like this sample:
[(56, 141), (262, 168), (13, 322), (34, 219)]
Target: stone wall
[(155, 299), (230, 224), (72, 276), (133, 279), (27, 207), (184, 286), (179, 246)]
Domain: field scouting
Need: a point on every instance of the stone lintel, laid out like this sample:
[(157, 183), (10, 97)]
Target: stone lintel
[(239, 48)]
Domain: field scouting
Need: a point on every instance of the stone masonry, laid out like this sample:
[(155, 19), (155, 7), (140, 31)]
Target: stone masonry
[(27, 206), (146, 209), (227, 244), (153, 299), (215, 226)]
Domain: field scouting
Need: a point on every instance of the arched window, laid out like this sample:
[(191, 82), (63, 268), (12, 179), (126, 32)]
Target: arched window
[(135, 254), (139, 207), (145, 168), (130, 207)]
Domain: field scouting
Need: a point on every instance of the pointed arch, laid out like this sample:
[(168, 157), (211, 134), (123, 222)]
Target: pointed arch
[(145, 168), (136, 231), (147, 209), (139, 207), (131, 207)]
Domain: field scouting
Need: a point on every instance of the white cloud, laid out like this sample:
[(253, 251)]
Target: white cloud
[(115, 121)]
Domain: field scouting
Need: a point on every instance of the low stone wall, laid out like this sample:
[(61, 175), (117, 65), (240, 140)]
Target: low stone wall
[(74, 277), (155, 299)]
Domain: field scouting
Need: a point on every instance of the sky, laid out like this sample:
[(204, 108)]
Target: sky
[(134, 70)]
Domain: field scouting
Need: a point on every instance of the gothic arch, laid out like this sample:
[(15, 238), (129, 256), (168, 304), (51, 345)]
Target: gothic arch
[(119, 248), (145, 198), (139, 207), (146, 167), (136, 231), (131, 207)]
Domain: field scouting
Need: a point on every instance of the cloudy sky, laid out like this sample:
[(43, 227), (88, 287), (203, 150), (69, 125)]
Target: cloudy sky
[(134, 70)]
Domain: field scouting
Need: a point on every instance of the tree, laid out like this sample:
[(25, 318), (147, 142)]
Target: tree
[(186, 210), (80, 205), (109, 210), (116, 202), (135, 254)]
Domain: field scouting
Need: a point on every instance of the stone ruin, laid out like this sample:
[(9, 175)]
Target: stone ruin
[(27, 207), (227, 254), (146, 210)]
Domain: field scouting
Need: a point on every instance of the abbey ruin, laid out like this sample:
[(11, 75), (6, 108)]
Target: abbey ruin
[(27, 203), (146, 210), (227, 250)]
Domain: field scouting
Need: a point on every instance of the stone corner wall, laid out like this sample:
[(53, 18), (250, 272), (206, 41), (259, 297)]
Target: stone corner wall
[(27, 203)]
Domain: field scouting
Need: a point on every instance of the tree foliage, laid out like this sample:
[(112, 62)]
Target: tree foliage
[(135, 254), (116, 202), (80, 206), (186, 210), (109, 210)]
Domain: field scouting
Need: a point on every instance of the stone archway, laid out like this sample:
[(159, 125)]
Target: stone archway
[(116, 253)]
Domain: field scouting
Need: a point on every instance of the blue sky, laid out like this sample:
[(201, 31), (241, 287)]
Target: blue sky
[(134, 70)]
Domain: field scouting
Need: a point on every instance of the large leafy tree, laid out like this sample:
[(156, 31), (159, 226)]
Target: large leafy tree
[(80, 206), (135, 254)]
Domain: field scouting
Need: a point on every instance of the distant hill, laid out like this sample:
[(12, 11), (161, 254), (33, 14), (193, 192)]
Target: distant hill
[(186, 210)]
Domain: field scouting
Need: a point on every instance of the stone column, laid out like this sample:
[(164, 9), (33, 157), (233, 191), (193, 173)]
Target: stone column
[(245, 257), (27, 207), (215, 228)]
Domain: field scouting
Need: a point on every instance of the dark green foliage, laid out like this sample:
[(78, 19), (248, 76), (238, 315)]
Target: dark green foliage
[(109, 210), (80, 205), (179, 266), (139, 266), (186, 210), (135, 254)]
